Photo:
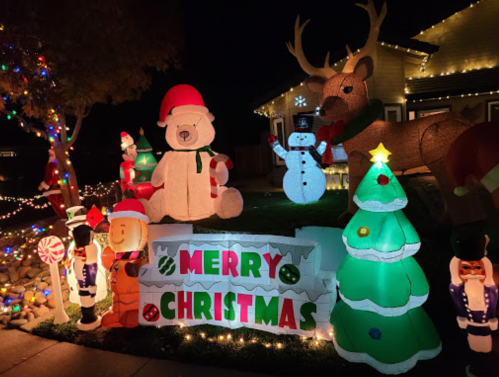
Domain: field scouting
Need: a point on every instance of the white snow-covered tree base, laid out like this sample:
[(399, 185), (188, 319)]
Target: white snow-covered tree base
[(369, 306), (386, 257), (397, 368), (377, 206)]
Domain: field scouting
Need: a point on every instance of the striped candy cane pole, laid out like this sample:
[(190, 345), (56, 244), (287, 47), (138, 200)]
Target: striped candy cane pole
[(213, 169), (51, 251)]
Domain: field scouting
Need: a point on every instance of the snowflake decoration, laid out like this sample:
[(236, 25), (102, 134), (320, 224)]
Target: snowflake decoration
[(317, 109), (300, 101)]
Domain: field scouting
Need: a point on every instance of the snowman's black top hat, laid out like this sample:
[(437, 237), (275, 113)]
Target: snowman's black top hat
[(303, 123)]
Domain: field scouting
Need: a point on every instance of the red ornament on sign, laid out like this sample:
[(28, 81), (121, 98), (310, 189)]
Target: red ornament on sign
[(383, 180), (151, 313)]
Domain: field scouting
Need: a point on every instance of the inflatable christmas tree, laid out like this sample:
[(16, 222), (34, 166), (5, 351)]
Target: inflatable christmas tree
[(145, 163), (380, 320)]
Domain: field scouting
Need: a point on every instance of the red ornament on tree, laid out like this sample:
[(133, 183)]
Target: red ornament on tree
[(383, 180)]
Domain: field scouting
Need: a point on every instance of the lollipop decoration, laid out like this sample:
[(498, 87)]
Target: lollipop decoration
[(51, 251)]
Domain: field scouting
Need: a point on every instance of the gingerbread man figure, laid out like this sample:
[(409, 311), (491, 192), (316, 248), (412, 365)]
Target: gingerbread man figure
[(128, 235)]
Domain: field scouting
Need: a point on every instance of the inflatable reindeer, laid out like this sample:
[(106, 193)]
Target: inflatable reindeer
[(345, 104)]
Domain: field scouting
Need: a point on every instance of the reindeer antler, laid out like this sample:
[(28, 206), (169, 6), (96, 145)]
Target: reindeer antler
[(376, 21), (297, 51)]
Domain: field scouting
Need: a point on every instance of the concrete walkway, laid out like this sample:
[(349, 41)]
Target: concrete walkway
[(27, 355)]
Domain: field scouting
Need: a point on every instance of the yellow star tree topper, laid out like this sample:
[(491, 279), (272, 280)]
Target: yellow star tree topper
[(380, 154)]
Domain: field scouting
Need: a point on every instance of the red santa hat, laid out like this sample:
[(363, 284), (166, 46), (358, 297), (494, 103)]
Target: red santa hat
[(182, 99), (129, 208)]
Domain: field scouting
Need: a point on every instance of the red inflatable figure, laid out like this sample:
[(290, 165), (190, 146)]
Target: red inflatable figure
[(475, 153)]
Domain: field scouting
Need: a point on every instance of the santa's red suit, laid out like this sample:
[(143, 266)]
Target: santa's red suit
[(127, 175), (50, 186)]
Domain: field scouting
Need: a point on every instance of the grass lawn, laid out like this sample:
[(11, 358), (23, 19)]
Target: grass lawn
[(284, 355), (276, 214)]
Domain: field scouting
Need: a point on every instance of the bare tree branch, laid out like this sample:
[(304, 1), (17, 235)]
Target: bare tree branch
[(86, 111), (64, 136), (23, 123), (74, 136)]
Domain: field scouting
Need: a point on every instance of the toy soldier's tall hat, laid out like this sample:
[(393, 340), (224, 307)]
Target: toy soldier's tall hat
[(77, 216), (469, 242)]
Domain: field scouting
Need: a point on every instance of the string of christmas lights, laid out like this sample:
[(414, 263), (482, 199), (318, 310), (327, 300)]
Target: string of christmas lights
[(314, 342), (13, 299), (98, 191), (492, 92)]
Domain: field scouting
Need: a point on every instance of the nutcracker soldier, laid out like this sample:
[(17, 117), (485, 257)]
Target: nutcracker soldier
[(473, 290), (84, 265)]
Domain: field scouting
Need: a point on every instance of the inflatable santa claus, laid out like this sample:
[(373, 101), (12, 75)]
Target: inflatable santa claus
[(50, 186), (193, 175)]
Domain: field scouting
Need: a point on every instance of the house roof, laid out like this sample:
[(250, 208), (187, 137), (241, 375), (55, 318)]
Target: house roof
[(408, 43), (470, 82), (404, 45)]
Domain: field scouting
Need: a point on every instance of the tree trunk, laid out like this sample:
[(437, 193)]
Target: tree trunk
[(69, 184), (67, 176)]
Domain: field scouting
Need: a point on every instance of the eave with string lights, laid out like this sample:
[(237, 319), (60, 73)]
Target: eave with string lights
[(464, 72)]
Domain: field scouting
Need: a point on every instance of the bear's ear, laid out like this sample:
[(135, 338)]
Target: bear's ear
[(210, 117), (165, 123)]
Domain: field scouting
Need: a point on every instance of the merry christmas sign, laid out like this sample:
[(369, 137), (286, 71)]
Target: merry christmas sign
[(268, 283)]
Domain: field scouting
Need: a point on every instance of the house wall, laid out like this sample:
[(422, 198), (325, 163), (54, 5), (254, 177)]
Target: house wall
[(388, 80), (467, 40)]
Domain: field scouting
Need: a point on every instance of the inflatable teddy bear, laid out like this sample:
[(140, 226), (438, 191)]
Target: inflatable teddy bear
[(193, 175)]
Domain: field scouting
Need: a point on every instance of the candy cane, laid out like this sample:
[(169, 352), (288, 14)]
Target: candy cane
[(51, 250), (213, 168)]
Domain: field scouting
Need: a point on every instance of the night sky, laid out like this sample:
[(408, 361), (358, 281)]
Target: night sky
[(235, 55)]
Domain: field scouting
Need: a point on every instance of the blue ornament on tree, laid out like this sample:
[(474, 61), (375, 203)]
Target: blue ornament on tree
[(375, 333)]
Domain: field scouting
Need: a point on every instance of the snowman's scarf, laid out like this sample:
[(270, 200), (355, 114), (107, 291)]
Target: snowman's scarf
[(199, 163), (310, 149)]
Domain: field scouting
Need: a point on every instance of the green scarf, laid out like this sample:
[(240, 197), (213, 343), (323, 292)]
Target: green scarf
[(199, 164), (360, 122)]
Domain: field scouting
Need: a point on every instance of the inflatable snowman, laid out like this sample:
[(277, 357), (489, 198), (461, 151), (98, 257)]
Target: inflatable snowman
[(304, 182)]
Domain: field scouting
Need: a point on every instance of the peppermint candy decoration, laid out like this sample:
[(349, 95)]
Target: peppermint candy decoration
[(166, 265), (51, 249)]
